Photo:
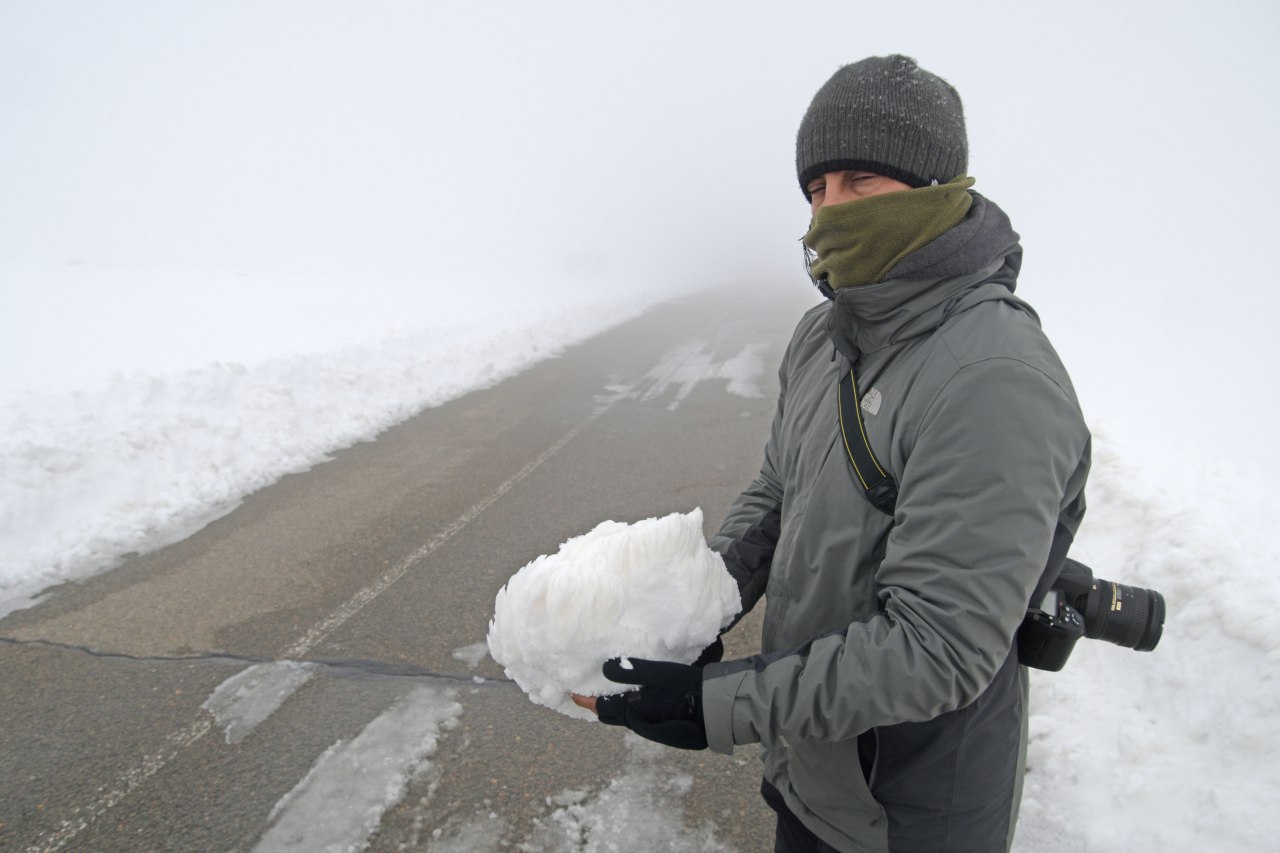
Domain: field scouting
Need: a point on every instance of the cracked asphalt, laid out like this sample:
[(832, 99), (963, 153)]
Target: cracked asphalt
[(379, 566)]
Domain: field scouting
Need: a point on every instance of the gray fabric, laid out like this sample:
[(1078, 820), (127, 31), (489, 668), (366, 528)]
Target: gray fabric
[(914, 616), (887, 115), (985, 233)]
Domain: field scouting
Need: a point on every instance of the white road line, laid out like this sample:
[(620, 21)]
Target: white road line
[(358, 601), (175, 743), (123, 786)]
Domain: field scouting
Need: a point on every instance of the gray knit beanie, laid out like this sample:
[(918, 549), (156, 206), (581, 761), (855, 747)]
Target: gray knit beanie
[(886, 115)]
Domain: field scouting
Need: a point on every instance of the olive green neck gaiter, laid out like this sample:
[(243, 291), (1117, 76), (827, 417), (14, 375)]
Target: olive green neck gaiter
[(859, 242)]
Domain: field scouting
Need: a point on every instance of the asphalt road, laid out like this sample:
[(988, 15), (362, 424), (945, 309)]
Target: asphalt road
[(381, 567)]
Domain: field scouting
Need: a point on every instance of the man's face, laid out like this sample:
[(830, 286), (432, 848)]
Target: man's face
[(839, 187)]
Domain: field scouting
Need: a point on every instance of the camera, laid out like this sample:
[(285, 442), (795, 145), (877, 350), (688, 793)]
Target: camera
[(1080, 605)]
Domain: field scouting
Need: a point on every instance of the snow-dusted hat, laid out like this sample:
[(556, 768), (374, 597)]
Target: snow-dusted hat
[(886, 115)]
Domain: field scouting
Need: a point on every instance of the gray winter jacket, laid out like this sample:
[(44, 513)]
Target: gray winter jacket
[(888, 698)]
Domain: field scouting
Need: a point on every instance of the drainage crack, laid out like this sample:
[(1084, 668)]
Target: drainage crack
[(349, 668)]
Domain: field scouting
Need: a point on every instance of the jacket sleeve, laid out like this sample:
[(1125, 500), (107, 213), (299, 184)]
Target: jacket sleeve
[(750, 532), (998, 457)]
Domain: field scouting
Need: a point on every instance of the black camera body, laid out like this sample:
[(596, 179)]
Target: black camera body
[(1048, 634), (1079, 605)]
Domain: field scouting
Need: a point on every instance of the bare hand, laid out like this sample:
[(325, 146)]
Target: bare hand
[(588, 702)]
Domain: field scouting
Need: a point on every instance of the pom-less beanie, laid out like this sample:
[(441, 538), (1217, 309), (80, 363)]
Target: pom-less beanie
[(886, 115)]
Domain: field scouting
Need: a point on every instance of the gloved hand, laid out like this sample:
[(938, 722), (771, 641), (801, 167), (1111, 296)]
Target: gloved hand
[(667, 708), (713, 653)]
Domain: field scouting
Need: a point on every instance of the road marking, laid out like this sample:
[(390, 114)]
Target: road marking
[(358, 601), (133, 777), (124, 786)]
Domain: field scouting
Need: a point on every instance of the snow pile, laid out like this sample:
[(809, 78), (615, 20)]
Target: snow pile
[(652, 590)]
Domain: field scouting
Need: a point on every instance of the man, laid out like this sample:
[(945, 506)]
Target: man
[(888, 697)]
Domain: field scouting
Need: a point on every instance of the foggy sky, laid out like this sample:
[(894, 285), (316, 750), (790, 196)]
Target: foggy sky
[(478, 147)]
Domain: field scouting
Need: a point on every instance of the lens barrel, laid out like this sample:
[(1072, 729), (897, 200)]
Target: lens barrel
[(1129, 616)]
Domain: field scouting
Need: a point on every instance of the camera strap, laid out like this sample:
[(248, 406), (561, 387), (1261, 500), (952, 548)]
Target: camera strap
[(882, 490), (877, 484), (1036, 646)]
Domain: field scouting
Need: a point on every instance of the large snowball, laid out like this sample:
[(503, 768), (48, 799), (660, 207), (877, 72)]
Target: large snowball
[(652, 590)]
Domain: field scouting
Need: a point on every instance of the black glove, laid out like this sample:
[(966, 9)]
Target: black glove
[(713, 653), (667, 708)]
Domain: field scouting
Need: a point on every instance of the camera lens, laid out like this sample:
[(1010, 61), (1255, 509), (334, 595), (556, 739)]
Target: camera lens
[(1128, 616)]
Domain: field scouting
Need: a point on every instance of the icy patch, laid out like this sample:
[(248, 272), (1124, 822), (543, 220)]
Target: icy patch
[(744, 372), (652, 589), (340, 802), (641, 810), (472, 655), (481, 834), (244, 700), (688, 366)]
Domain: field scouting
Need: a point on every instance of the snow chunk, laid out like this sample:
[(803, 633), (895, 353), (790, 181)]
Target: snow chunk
[(652, 590)]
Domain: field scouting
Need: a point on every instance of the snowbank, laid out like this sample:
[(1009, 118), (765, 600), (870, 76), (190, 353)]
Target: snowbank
[(1172, 750), (89, 475)]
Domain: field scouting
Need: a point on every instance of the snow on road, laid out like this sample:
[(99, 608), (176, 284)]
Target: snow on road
[(246, 699), (641, 809), (688, 366), (339, 804)]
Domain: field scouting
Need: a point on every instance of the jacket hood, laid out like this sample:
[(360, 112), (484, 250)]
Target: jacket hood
[(977, 261)]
